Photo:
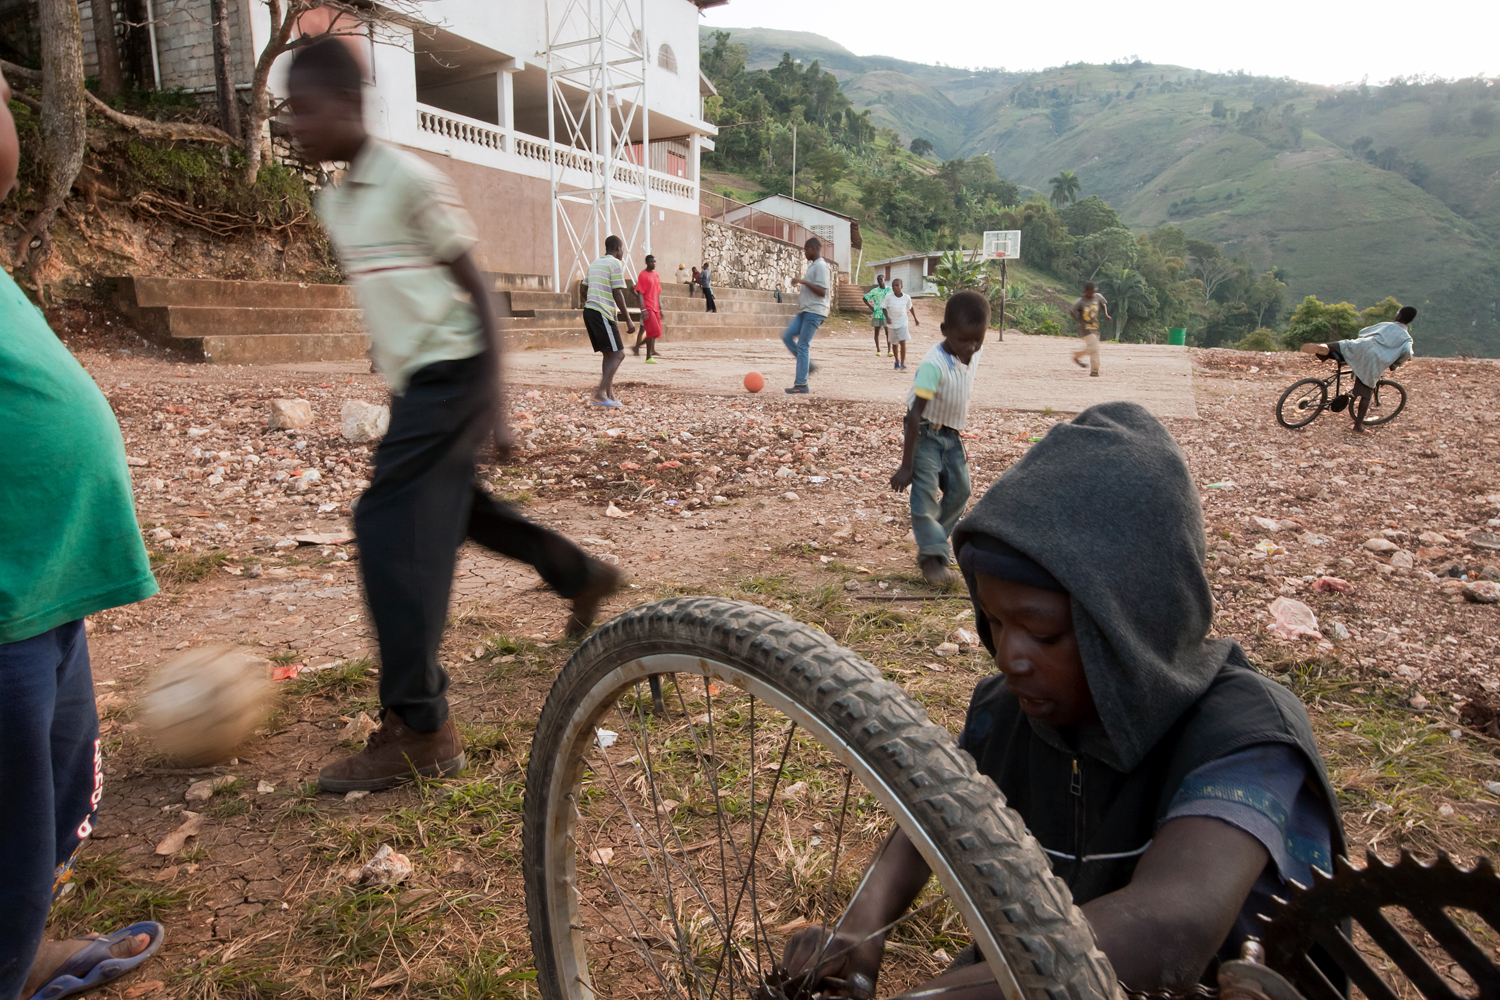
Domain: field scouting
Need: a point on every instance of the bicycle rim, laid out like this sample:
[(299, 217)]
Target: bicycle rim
[(1387, 402), (684, 853), (1301, 403)]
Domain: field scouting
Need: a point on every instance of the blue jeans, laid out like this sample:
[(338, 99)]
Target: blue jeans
[(50, 779), (798, 337), (938, 466)]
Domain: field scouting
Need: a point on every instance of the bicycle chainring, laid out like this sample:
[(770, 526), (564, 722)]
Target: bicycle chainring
[(1429, 892)]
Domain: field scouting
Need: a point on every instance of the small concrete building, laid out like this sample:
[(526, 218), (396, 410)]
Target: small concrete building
[(915, 271), (829, 226)]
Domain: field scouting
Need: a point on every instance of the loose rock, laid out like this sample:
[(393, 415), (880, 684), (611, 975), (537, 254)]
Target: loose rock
[(364, 421), (289, 414)]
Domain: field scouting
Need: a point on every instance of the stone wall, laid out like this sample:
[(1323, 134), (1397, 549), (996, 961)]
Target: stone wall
[(184, 43), (742, 259)]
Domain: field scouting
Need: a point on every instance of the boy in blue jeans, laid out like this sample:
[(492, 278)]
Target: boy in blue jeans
[(932, 456), (812, 310)]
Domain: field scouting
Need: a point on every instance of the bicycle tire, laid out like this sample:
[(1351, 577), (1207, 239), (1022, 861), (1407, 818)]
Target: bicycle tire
[(996, 874), (1310, 411), (1387, 384)]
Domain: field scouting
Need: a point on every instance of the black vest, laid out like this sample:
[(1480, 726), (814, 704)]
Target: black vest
[(1094, 821)]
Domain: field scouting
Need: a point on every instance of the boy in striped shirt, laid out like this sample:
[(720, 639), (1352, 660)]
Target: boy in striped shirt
[(606, 302), (932, 456)]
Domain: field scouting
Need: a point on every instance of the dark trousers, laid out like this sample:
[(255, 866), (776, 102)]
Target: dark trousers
[(708, 300), (421, 505), (50, 780)]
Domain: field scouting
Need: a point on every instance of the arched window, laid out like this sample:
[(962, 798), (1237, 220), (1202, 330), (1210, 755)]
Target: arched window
[(666, 58)]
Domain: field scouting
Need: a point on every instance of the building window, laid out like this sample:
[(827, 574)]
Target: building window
[(667, 59)]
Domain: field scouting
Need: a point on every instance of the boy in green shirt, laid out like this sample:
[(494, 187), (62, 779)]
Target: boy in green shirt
[(71, 547)]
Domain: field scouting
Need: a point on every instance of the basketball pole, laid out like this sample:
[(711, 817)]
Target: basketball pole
[(1001, 337)]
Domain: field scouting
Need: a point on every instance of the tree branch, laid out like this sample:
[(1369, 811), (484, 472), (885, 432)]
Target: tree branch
[(162, 130), (15, 72)]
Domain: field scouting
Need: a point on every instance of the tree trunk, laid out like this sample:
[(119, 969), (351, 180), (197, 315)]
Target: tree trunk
[(283, 20), (107, 48), (64, 125), (229, 105)]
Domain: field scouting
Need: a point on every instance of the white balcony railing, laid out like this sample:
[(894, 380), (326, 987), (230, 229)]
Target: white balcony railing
[(446, 126), (451, 133)]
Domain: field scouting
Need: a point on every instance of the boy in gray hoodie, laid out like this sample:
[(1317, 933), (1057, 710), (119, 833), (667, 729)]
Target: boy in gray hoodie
[(1173, 787)]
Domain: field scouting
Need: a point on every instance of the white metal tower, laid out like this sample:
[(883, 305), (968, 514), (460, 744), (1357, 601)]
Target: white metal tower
[(597, 55)]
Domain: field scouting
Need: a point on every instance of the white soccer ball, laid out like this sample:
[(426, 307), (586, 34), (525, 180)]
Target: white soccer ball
[(200, 707)]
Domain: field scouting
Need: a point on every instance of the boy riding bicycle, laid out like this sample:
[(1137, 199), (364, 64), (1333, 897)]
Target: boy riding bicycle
[(1378, 347)]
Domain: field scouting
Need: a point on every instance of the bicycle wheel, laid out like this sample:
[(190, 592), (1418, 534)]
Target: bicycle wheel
[(1381, 410), (676, 854), (1301, 403)]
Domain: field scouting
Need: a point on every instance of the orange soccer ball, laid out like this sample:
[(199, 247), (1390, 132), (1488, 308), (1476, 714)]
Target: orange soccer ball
[(755, 381)]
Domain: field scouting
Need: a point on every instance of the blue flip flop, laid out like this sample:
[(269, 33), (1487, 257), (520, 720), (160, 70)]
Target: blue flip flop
[(92, 965), (613, 403)]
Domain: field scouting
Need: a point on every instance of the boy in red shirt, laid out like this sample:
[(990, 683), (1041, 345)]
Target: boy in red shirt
[(648, 287)]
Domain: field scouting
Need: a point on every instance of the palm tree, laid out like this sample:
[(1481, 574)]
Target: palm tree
[(1065, 187), (1128, 294)]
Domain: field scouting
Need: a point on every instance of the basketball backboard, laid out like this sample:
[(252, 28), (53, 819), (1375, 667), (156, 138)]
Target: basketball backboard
[(1002, 244)]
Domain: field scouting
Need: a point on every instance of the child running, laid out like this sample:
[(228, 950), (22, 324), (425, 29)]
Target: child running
[(606, 301), (404, 238), (648, 287), (898, 307), (875, 299), (1174, 788), (933, 463), (1086, 309)]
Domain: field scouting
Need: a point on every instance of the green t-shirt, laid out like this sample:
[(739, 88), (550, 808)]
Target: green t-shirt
[(71, 545)]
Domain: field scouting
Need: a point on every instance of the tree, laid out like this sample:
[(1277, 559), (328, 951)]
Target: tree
[(957, 271), (827, 166), (1128, 295), (107, 49), (1114, 246), (1210, 265), (1219, 110), (1065, 187), (1383, 311), (229, 104), (1261, 339), (1312, 322), (64, 125), (1091, 215), (921, 146), (1266, 297)]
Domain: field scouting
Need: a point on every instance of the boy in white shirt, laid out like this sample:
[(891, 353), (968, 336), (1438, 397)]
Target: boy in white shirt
[(898, 306)]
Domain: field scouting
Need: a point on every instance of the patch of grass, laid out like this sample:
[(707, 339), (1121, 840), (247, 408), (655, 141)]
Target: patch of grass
[(207, 979), (486, 974), (284, 656), (173, 569), (105, 896), (223, 808), (1395, 768), (342, 679), (355, 927)]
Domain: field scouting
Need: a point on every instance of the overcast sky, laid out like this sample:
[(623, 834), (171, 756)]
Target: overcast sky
[(1319, 41)]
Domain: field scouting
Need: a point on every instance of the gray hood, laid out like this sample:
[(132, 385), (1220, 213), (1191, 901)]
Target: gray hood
[(1106, 504)]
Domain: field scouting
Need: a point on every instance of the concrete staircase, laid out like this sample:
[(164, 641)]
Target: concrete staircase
[(245, 322), (537, 318), (271, 322)]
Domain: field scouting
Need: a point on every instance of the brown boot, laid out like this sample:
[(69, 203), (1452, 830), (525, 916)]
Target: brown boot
[(936, 572), (392, 755), (603, 580)]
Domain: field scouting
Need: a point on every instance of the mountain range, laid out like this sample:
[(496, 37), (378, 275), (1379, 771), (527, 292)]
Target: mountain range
[(1352, 193)]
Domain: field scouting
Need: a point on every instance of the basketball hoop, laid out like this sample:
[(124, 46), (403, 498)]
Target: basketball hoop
[(1002, 244)]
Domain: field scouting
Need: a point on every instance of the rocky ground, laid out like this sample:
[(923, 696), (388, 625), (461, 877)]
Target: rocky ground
[(1389, 538)]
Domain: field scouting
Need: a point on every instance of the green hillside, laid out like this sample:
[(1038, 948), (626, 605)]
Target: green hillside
[(1350, 195)]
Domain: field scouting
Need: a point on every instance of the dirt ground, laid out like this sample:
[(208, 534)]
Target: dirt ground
[(775, 499)]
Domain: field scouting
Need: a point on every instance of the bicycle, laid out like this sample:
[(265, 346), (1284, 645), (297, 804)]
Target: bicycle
[(1304, 399), (676, 855)]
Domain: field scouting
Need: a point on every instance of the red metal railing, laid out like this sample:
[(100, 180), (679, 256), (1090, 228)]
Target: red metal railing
[(737, 213)]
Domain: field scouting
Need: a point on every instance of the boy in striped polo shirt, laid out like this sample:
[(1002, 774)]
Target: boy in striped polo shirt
[(606, 300), (932, 456)]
